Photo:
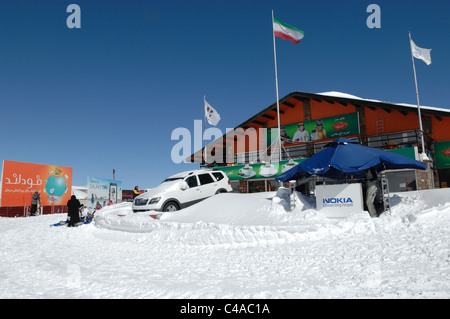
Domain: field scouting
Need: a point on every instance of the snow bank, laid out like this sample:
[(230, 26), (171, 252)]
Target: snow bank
[(232, 209), (233, 246), (251, 218), (222, 219)]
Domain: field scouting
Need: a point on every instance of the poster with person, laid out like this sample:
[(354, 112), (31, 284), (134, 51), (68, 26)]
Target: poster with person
[(103, 192), (315, 130)]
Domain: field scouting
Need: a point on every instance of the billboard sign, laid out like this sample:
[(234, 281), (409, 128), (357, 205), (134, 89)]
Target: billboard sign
[(20, 180), (316, 130), (259, 170), (103, 192), (442, 154), (337, 201)]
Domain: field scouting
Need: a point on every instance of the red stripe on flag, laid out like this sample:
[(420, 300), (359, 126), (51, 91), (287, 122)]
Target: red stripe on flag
[(286, 37)]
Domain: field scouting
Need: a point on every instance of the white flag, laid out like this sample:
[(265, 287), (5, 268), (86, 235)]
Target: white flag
[(211, 114), (419, 53)]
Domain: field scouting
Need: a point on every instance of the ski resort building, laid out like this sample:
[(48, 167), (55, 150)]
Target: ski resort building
[(309, 121)]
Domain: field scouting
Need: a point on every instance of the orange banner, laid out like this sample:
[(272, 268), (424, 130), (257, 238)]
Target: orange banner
[(20, 180)]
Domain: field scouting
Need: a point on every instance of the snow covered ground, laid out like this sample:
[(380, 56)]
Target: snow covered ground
[(233, 246)]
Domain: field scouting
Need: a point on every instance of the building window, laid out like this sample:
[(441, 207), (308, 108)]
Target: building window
[(250, 157), (256, 186), (272, 185), (235, 186), (402, 181), (444, 177), (394, 140)]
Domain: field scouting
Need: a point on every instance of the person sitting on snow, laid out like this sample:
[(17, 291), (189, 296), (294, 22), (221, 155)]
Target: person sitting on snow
[(84, 212)]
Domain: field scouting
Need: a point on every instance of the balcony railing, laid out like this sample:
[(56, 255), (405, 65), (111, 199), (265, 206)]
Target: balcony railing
[(306, 150)]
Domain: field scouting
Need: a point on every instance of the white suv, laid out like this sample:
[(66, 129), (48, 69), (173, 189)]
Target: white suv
[(182, 190)]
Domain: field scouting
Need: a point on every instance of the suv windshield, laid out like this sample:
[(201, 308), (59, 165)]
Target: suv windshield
[(171, 179)]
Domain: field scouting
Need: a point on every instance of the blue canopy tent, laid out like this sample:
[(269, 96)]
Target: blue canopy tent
[(344, 157)]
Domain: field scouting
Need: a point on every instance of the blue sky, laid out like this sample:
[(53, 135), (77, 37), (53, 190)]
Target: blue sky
[(108, 96)]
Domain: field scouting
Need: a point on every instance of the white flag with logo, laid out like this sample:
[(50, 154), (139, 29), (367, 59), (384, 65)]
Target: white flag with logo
[(422, 54), (211, 114)]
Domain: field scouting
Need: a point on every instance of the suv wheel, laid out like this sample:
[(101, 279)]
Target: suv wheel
[(171, 207), (221, 191)]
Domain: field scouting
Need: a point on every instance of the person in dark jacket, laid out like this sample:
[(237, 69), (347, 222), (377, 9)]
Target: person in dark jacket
[(74, 211), (136, 192), (35, 200)]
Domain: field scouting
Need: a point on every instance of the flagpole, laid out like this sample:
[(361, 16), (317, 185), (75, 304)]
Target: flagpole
[(276, 86), (204, 128), (417, 96)]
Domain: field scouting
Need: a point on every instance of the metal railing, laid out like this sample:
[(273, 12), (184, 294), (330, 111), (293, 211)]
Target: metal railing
[(383, 141), (23, 211)]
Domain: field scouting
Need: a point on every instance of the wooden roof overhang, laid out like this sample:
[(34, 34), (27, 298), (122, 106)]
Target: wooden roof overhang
[(261, 119)]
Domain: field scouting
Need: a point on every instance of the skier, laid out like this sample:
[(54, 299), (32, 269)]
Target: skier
[(74, 214)]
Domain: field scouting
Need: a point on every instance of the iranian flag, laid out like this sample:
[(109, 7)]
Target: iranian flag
[(287, 32)]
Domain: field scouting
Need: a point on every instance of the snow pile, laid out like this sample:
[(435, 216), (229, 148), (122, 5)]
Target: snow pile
[(251, 218), (234, 246), (341, 95), (222, 219), (231, 209)]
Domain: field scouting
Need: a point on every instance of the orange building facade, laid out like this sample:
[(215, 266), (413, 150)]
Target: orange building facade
[(377, 124)]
